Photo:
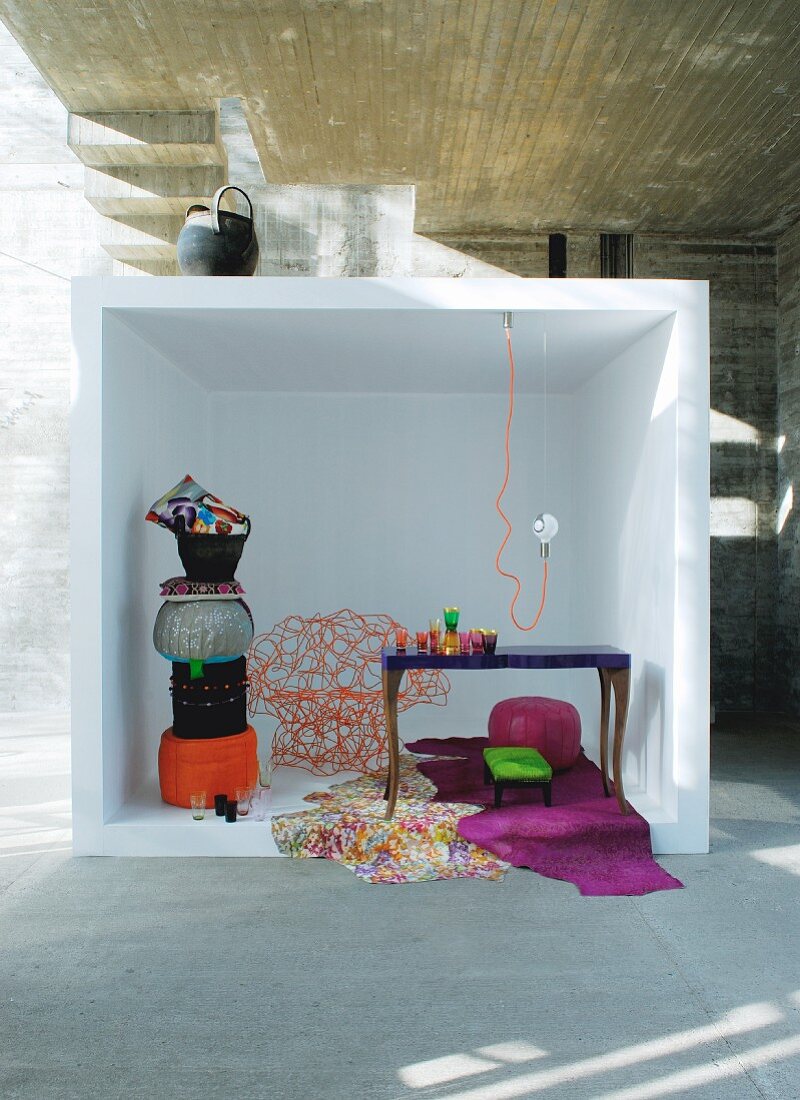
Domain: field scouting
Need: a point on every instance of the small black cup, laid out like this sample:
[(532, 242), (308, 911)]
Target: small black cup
[(230, 809), (219, 804)]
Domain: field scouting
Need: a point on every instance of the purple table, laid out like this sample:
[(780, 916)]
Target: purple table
[(613, 666)]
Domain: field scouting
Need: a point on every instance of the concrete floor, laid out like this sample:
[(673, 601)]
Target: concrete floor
[(278, 979)]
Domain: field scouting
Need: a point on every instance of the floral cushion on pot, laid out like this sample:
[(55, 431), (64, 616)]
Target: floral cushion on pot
[(178, 589), (188, 508)]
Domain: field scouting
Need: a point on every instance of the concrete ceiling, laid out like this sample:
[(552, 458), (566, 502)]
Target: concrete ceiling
[(517, 114)]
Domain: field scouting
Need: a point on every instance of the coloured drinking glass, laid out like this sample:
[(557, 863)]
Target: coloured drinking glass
[(401, 637), (451, 618), (463, 641), (198, 801), (476, 637), (490, 641), (422, 641), (243, 796)]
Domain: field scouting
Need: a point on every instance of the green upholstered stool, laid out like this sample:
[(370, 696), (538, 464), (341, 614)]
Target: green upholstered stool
[(508, 766)]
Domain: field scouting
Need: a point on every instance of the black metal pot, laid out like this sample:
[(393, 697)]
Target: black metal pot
[(218, 242)]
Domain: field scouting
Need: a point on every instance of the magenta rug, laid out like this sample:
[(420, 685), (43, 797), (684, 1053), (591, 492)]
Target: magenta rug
[(582, 838)]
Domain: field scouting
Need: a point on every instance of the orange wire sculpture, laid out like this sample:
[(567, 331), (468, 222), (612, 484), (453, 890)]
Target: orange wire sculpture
[(321, 679), (503, 516)]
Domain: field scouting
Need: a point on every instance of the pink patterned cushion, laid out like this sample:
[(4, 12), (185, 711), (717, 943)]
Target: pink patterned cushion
[(177, 589), (551, 726)]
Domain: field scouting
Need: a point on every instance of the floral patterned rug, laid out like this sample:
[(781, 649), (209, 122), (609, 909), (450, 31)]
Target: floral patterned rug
[(420, 843)]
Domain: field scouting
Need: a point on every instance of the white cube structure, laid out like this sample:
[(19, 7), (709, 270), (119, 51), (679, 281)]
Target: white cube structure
[(360, 423)]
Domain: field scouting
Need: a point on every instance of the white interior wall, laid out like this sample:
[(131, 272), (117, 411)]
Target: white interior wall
[(624, 509), (161, 436), (385, 503), (417, 497)]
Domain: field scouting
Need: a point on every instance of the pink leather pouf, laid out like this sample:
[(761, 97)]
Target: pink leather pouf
[(551, 726)]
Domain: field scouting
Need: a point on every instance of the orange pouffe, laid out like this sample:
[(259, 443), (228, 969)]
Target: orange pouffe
[(216, 765)]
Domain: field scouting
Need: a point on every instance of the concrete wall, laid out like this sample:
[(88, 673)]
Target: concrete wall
[(50, 232), (744, 578), (788, 624), (47, 234)]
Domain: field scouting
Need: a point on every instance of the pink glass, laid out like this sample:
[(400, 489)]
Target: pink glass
[(476, 637), (433, 634), (463, 640), (401, 637), (422, 641)]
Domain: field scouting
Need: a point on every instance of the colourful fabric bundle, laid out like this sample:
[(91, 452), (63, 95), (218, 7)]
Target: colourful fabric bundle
[(188, 508)]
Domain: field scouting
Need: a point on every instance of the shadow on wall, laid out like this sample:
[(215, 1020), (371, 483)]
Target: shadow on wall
[(347, 231)]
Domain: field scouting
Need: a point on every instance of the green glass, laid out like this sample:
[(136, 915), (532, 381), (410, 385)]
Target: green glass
[(451, 618)]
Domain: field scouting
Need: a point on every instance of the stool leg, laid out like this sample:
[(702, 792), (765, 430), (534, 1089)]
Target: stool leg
[(487, 775), (547, 794), (498, 795)]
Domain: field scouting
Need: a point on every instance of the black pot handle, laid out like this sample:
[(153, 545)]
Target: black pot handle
[(215, 207)]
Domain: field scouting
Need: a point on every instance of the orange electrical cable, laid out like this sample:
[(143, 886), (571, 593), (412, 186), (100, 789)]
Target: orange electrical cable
[(498, 506)]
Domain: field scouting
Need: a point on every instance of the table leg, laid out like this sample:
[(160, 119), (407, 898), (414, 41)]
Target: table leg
[(605, 701), (621, 683), (391, 687)]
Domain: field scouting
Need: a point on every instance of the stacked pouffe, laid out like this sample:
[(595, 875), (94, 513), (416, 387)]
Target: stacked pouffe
[(551, 726), (204, 628)]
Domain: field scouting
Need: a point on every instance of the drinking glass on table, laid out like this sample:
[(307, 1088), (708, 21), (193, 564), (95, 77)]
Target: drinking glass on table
[(451, 618), (489, 641), (198, 801), (422, 641), (476, 637), (435, 626), (463, 641)]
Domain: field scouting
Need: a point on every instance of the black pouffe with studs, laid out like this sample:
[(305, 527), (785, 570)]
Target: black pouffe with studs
[(212, 705)]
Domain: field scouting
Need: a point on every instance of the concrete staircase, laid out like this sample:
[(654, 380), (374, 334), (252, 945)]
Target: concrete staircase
[(142, 169)]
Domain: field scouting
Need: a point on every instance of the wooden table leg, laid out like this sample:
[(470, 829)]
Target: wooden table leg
[(621, 683), (391, 688), (605, 701), (617, 680)]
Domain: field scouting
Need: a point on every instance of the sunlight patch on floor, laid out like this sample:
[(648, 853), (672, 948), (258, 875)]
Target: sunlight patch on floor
[(785, 858), (739, 1021), (35, 802)]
